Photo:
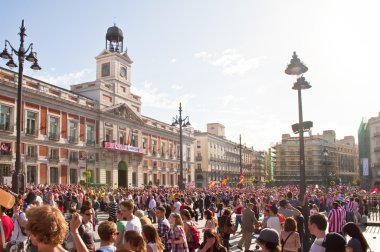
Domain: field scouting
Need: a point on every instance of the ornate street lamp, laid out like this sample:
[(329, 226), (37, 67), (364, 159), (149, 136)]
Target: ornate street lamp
[(182, 122), (325, 154), (296, 67), (22, 55)]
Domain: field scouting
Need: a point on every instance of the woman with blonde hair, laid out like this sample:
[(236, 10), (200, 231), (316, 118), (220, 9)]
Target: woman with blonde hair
[(153, 241), (133, 242), (211, 222), (47, 228), (177, 236)]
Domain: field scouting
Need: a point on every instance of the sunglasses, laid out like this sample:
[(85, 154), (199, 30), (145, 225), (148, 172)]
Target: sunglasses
[(88, 214)]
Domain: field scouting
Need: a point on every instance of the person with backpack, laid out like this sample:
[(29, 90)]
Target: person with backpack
[(225, 227), (191, 231)]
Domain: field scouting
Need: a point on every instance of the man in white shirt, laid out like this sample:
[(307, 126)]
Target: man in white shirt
[(133, 222), (317, 226), (152, 208), (177, 206)]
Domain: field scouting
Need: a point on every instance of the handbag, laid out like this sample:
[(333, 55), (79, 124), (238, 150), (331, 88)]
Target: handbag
[(228, 229)]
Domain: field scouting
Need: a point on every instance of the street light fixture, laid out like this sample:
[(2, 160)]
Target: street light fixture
[(240, 146), (32, 57), (296, 67), (182, 122)]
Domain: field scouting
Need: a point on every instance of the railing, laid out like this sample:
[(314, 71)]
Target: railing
[(188, 158), (6, 127), (72, 139), (198, 158), (31, 158), (5, 155), (73, 160), (90, 142), (54, 159), (31, 132), (53, 136)]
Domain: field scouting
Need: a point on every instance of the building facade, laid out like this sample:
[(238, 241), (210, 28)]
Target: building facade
[(369, 152), (217, 157), (326, 159), (93, 132)]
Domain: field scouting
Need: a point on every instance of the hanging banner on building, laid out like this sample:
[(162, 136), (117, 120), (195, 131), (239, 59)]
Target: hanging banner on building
[(122, 147), (364, 163)]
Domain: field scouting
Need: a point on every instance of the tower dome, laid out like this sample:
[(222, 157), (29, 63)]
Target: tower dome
[(114, 39)]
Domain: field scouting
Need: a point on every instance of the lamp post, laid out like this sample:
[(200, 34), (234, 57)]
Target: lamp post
[(325, 154), (240, 156), (296, 67), (182, 122), (22, 56)]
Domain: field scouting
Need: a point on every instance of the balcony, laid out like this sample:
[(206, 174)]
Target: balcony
[(188, 159), (31, 132), (54, 136), (54, 159), (90, 142), (74, 160), (31, 158), (198, 158), (6, 127), (72, 139), (5, 155)]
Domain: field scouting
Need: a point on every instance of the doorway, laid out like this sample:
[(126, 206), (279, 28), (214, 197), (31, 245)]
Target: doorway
[(122, 170)]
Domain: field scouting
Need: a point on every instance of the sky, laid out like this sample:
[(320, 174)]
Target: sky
[(223, 60)]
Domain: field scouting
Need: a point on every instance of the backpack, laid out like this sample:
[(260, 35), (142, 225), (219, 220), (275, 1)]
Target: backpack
[(194, 236)]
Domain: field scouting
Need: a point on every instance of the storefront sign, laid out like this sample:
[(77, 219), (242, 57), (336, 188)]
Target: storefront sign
[(115, 146)]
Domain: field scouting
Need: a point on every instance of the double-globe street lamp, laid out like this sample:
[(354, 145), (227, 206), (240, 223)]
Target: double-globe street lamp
[(182, 122), (296, 67), (325, 154), (22, 55)]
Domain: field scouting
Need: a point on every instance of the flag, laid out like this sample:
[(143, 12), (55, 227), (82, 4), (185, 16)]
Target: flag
[(374, 190), (241, 180), (224, 182), (211, 183)]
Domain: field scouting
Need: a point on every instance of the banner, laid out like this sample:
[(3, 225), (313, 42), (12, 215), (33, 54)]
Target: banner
[(364, 163)]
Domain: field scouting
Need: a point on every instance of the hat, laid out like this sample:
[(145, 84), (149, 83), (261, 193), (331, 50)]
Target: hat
[(334, 241), (269, 235)]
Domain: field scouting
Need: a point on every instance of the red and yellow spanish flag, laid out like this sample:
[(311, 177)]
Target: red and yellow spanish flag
[(241, 180), (211, 183), (224, 182)]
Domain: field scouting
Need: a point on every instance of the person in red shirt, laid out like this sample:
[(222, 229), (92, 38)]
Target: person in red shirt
[(7, 228)]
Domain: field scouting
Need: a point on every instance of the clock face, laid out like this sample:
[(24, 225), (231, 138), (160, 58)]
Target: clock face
[(123, 71)]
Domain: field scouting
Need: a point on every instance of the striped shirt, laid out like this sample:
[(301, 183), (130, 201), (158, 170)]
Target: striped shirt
[(337, 219), (350, 207)]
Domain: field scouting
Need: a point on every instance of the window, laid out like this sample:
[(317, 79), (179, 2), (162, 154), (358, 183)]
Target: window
[(6, 149), (53, 128), (73, 130), (54, 154), (90, 134), (163, 165), (145, 165), (74, 157), (97, 175), (154, 164), (123, 89), (154, 147), (162, 149), (31, 176), (73, 176), (172, 179), (108, 178), (155, 179), (108, 135), (145, 143), (145, 178), (134, 179), (163, 179), (171, 150), (31, 123), (5, 118), (135, 140), (122, 137), (53, 175), (199, 166), (5, 170), (105, 69), (32, 151)]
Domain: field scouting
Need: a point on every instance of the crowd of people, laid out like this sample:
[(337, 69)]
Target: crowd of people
[(63, 218)]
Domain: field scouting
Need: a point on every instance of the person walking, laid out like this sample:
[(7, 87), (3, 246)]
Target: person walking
[(163, 227), (289, 237), (248, 227), (317, 226)]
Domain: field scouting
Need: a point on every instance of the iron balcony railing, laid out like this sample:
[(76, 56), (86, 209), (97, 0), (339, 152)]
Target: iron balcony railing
[(31, 131), (54, 136), (6, 127), (53, 158), (31, 158), (73, 139)]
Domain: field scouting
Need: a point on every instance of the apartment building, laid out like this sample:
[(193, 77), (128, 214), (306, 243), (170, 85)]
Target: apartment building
[(95, 130), (369, 152), (325, 158), (217, 157)]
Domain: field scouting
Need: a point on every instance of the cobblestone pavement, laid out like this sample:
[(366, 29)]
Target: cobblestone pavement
[(371, 233)]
